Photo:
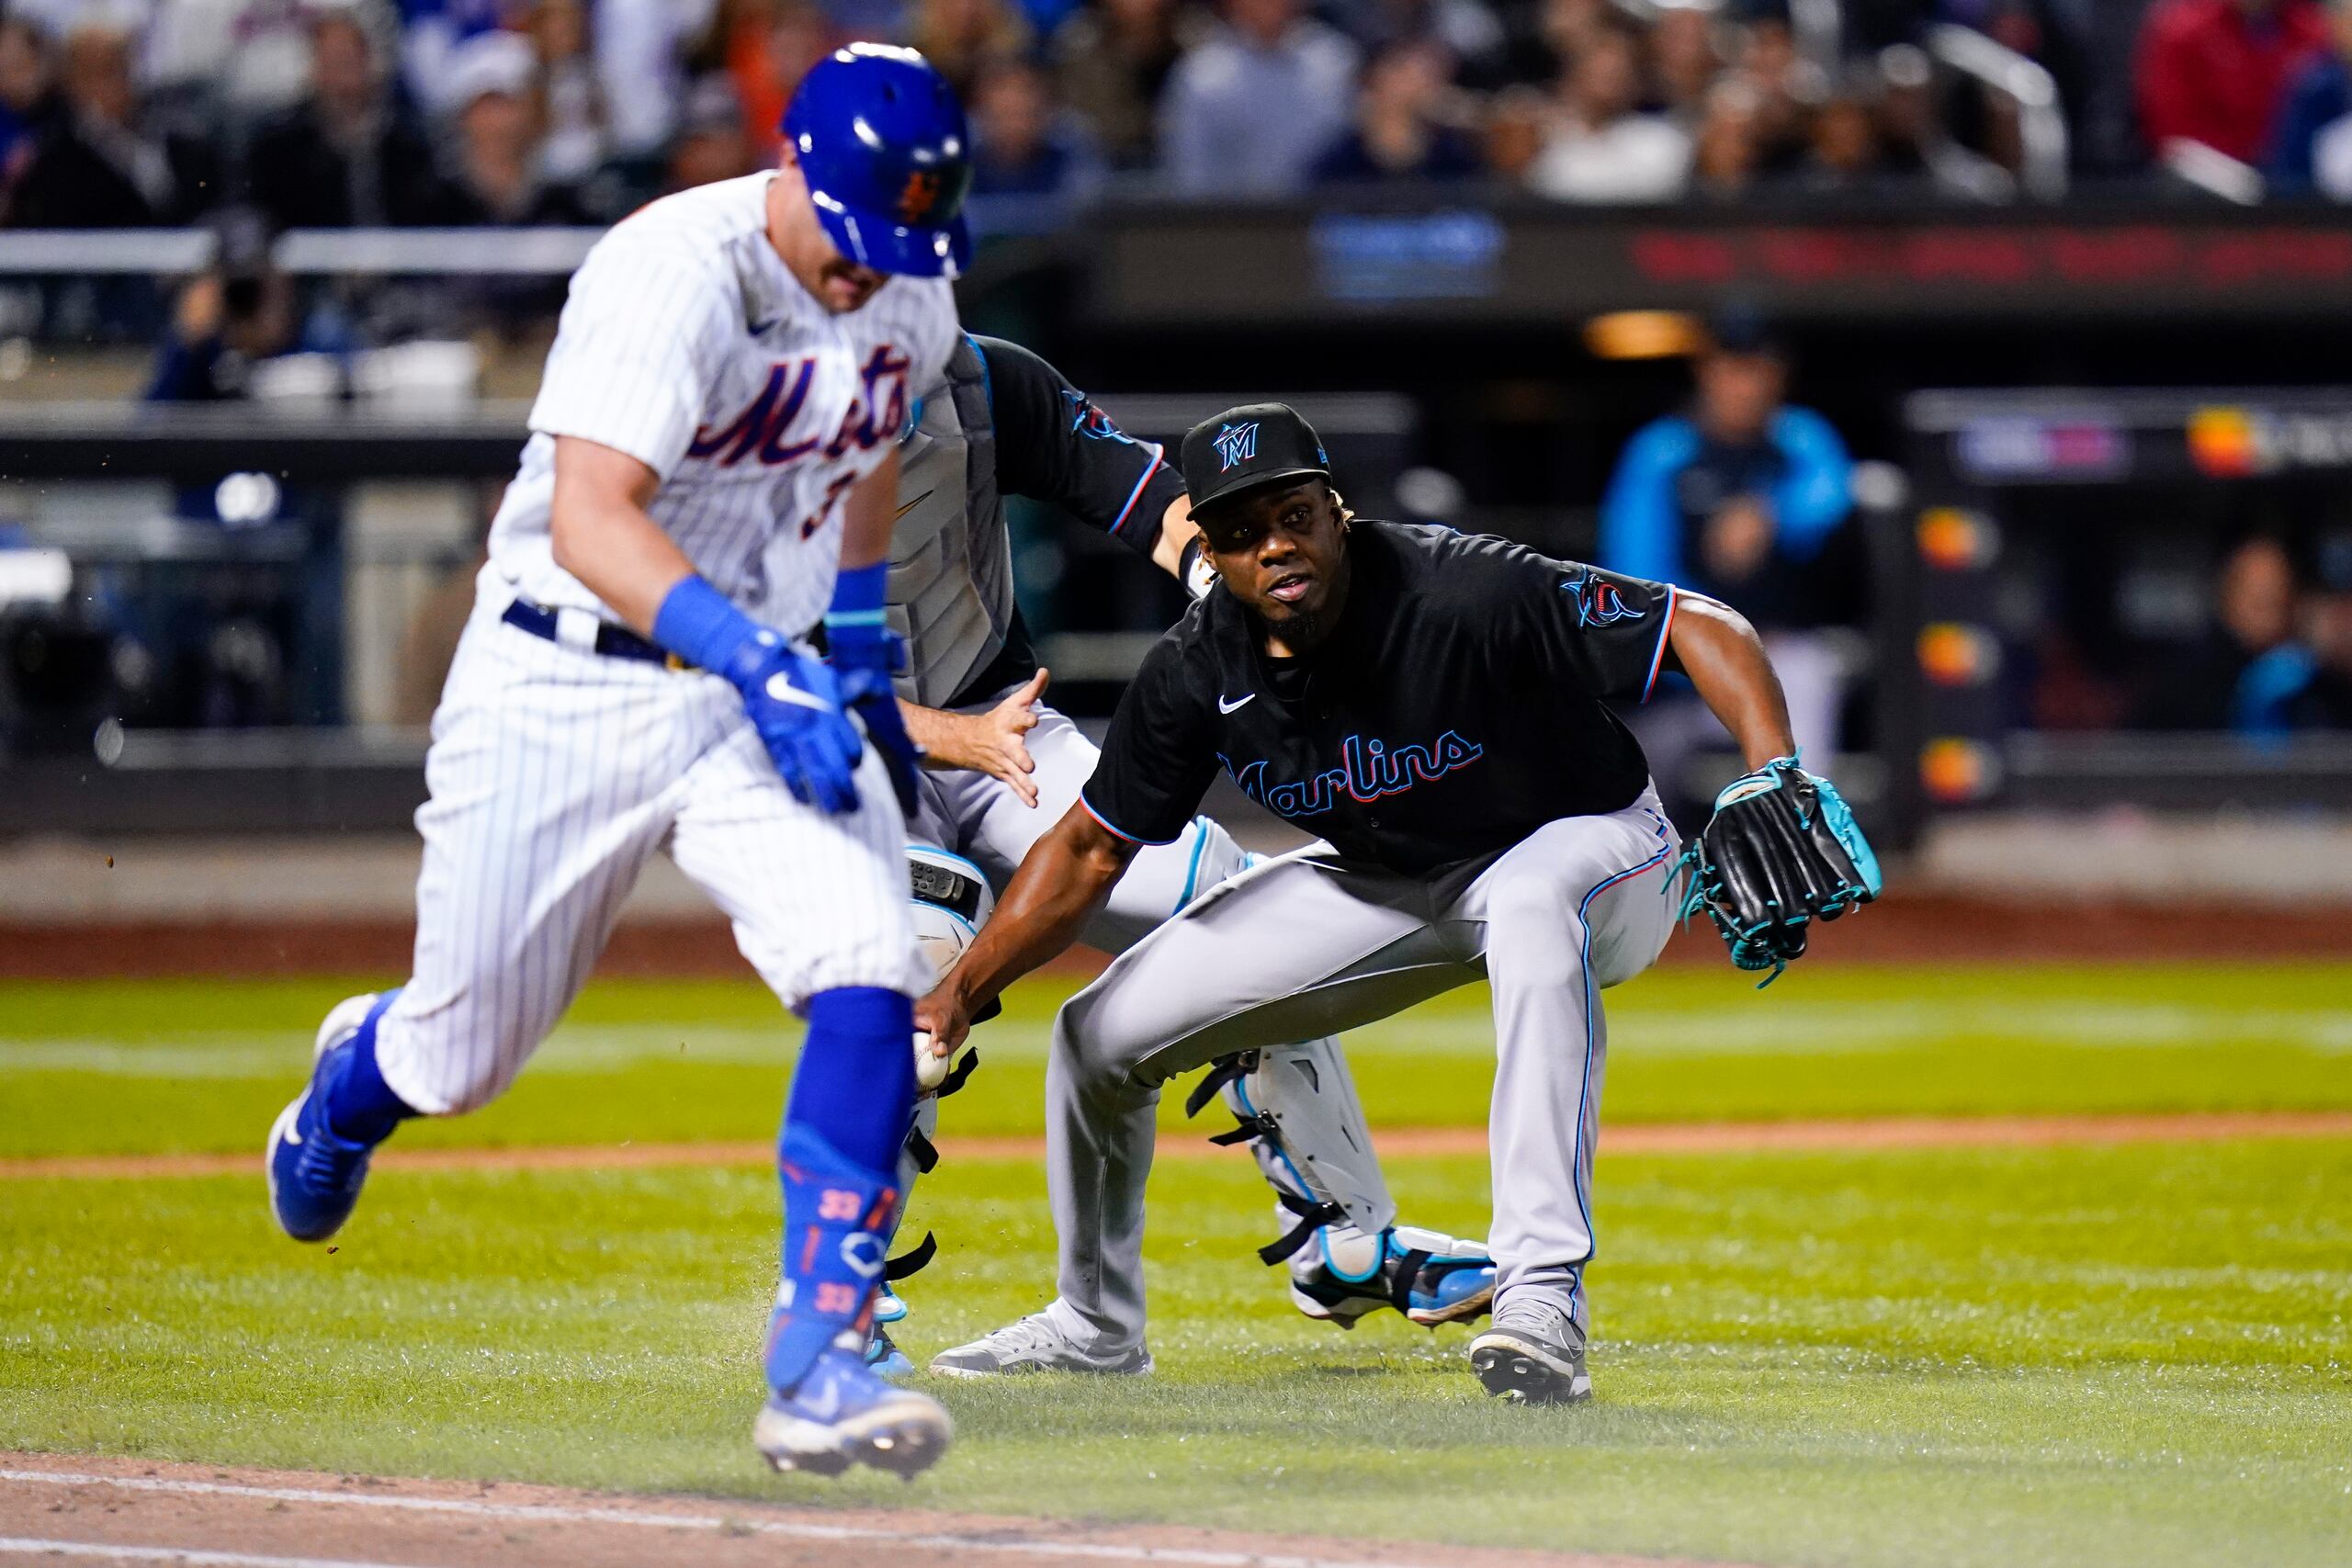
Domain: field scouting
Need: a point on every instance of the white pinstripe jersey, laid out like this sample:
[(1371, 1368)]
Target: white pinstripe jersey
[(685, 343)]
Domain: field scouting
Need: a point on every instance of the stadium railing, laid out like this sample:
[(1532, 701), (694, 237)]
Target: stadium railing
[(1343, 266)]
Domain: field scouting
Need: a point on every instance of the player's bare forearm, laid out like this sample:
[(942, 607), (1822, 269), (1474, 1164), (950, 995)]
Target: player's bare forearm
[(600, 531), (991, 742), (1177, 529), (1062, 880), (938, 732), (1713, 643), (867, 513)]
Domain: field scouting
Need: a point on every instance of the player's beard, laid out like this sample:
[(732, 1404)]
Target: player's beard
[(848, 287), (1304, 630)]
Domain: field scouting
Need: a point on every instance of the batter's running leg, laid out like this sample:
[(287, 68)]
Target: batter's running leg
[(530, 845), (819, 904)]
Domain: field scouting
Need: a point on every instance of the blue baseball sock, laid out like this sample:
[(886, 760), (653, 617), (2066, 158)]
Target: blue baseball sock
[(844, 1124), (360, 1105), (856, 1083)]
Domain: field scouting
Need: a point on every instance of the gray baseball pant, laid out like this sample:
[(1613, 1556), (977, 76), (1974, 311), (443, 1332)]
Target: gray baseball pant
[(1310, 944), (1323, 1153)]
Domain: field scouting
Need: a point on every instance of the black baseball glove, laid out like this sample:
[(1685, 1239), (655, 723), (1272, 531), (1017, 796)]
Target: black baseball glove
[(1781, 852)]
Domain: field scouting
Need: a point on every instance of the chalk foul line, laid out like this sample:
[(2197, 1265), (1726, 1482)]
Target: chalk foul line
[(1006, 1542), (1634, 1138)]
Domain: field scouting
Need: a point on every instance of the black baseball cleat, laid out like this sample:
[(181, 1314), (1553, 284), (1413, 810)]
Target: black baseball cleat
[(1532, 1352)]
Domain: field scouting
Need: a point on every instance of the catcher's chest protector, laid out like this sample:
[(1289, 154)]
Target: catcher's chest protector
[(950, 559)]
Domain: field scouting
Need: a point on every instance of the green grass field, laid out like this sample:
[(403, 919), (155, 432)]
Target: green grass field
[(2127, 1355)]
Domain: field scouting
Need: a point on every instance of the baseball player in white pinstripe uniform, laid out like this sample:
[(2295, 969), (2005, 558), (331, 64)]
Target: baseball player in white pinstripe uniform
[(1004, 766), (713, 461)]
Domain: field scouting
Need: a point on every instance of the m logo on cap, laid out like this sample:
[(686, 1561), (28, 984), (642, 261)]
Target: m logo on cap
[(1235, 444)]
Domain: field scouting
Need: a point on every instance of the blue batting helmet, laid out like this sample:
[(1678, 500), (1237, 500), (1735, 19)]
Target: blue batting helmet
[(883, 145)]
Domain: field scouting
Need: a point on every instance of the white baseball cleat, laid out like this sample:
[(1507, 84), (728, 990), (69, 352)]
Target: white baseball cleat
[(1034, 1344)]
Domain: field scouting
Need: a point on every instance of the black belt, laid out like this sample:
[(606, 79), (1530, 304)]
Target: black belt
[(612, 642)]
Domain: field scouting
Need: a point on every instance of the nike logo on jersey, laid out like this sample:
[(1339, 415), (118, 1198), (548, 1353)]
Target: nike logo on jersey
[(761, 329), (912, 504), (1224, 707)]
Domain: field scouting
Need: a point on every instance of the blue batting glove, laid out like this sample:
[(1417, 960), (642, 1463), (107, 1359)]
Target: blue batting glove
[(791, 700), (796, 705), (866, 653)]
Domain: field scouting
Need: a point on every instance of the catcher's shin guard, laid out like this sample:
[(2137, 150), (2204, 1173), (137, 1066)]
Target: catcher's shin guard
[(1298, 1111), (917, 1158), (921, 1155), (1428, 1277), (951, 901)]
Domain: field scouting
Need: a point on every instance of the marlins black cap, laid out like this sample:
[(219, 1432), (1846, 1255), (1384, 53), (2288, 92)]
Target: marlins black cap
[(1243, 449)]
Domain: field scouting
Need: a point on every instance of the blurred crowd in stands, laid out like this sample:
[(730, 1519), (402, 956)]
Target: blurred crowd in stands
[(464, 112), (2277, 655), (255, 116)]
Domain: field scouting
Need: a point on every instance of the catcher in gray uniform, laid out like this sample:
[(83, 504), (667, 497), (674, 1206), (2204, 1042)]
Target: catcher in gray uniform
[(1001, 770)]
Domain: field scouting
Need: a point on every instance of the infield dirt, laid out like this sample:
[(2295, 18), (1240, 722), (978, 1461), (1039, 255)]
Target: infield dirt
[(66, 1508)]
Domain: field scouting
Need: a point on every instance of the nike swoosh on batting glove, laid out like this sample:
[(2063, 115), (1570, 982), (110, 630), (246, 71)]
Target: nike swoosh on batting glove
[(866, 653), (793, 701)]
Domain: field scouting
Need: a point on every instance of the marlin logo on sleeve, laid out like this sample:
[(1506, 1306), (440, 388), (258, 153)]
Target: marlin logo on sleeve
[(1598, 601), (1368, 770), (1236, 444), (1087, 420)]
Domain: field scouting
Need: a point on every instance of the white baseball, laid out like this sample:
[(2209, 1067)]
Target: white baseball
[(930, 1066)]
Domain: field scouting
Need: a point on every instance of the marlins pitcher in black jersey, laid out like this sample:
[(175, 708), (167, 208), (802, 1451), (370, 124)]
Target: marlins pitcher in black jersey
[(1004, 767), (1432, 705)]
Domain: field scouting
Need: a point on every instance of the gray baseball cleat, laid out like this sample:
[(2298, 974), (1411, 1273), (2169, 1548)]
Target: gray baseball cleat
[(1533, 1351), (1034, 1344)]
